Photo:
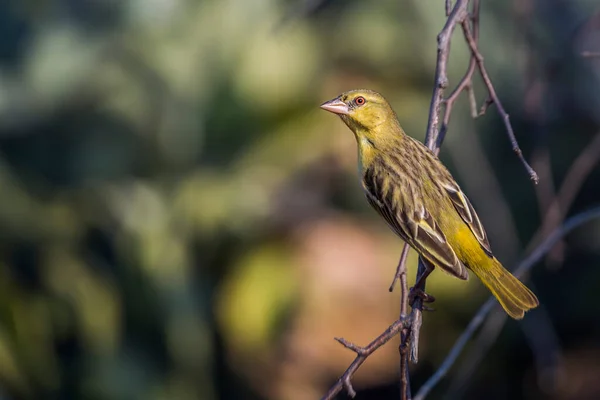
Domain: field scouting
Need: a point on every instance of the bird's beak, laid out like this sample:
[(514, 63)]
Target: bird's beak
[(335, 106)]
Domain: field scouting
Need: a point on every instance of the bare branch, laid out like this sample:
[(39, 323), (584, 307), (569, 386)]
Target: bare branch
[(405, 393), (492, 91), (523, 267), (486, 104), (466, 82), (362, 353), (401, 271), (404, 336), (415, 328), (457, 15), (404, 324), (403, 349)]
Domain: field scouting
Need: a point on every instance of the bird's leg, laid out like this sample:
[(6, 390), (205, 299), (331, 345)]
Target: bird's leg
[(417, 290)]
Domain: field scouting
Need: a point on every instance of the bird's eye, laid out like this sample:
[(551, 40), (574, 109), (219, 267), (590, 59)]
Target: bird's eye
[(360, 101)]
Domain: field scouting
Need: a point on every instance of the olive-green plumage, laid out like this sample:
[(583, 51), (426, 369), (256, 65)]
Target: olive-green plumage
[(413, 191)]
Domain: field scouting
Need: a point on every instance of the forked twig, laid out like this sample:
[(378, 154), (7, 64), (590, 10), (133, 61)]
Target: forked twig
[(401, 271), (494, 98), (403, 349), (362, 353), (466, 82), (458, 14)]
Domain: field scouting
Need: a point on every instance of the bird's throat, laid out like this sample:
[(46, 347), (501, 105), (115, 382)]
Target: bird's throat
[(366, 152)]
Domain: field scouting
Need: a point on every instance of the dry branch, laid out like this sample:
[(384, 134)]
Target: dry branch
[(362, 353), (494, 98), (466, 82)]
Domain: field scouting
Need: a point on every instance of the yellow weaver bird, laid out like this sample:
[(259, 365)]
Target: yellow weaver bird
[(419, 199)]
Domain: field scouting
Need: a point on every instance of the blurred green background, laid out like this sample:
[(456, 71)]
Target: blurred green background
[(179, 220)]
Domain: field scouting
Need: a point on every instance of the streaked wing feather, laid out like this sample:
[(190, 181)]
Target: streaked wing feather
[(388, 216), (431, 242), (466, 211), (415, 225)]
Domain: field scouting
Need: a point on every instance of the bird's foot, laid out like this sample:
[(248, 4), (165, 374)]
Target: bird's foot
[(416, 292)]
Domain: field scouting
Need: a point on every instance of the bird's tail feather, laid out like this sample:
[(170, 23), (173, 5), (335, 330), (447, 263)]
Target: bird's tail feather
[(512, 295)]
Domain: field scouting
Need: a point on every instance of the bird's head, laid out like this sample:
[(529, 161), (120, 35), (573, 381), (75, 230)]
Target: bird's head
[(364, 111)]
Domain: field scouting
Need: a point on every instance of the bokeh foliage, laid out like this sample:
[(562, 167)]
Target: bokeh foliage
[(180, 221)]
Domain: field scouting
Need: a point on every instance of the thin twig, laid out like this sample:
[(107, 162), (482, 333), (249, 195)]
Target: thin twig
[(362, 353), (486, 104), (404, 284), (405, 393), (401, 270), (404, 378), (466, 82), (417, 319), (459, 13), (525, 265), (494, 97), (401, 276)]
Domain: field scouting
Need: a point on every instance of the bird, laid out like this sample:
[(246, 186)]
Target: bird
[(407, 184)]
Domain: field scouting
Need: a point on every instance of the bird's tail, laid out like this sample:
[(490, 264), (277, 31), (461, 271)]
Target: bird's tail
[(514, 296)]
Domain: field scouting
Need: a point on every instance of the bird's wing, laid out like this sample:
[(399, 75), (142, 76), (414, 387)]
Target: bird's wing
[(467, 213), (414, 224)]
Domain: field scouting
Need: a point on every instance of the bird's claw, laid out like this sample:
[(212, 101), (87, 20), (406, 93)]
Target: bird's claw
[(415, 292)]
